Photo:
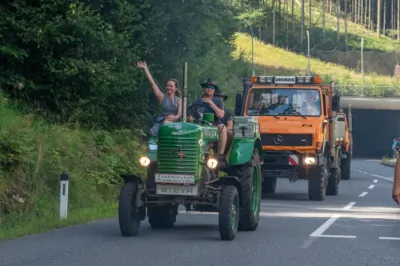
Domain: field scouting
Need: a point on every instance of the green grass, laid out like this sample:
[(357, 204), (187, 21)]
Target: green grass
[(30, 224), (270, 60), (33, 154)]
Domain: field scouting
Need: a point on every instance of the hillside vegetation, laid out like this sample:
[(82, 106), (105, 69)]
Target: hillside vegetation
[(271, 60), (279, 23), (288, 23), (72, 99)]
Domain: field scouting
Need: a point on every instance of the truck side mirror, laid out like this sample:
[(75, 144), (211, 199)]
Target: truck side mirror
[(336, 103), (238, 104)]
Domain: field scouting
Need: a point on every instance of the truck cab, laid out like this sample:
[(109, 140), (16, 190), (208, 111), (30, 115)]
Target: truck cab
[(297, 116)]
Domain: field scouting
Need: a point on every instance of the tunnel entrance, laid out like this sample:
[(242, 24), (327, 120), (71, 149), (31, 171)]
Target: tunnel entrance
[(375, 123)]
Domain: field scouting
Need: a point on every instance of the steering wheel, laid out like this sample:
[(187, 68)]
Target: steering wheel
[(193, 110)]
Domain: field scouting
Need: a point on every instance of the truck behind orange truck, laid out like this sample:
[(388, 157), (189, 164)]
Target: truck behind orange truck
[(298, 118)]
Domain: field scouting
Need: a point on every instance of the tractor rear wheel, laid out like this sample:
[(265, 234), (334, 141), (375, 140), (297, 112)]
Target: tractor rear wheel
[(249, 175), (162, 217)]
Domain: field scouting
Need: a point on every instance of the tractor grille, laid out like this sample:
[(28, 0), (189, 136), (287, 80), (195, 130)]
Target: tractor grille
[(286, 139), (169, 160)]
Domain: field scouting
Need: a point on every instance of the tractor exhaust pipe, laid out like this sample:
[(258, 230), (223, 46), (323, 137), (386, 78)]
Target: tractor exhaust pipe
[(184, 96)]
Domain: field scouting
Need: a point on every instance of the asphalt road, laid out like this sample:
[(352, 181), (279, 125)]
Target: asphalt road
[(353, 228)]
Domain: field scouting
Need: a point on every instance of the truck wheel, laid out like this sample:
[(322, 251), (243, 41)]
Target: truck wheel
[(333, 182), (162, 217), (249, 175), (128, 214), (346, 166), (317, 183), (229, 213), (269, 185)]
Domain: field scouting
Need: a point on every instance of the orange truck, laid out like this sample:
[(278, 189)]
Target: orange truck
[(298, 117)]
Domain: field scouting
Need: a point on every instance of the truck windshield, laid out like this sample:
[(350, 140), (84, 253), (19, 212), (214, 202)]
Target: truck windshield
[(284, 101)]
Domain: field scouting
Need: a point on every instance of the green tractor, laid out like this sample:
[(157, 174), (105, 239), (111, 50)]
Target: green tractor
[(182, 169)]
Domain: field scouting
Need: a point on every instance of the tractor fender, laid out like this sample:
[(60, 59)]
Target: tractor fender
[(242, 150), (152, 149), (132, 178), (152, 155), (233, 180)]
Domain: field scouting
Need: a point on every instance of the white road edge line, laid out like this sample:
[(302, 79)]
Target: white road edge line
[(363, 194), (371, 187), (389, 238), (320, 230), (379, 176)]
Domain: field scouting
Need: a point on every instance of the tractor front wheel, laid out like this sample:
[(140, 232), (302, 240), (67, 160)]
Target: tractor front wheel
[(128, 213), (229, 213)]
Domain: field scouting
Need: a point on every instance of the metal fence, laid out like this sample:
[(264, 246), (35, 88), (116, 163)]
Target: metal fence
[(368, 91)]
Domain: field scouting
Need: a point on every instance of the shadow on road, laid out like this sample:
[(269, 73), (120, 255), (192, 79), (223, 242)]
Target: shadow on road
[(287, 196)]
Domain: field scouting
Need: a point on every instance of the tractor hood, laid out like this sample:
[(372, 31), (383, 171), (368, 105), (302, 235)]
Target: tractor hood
[(180, 130)]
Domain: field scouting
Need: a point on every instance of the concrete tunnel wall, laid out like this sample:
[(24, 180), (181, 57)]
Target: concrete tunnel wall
[(375, 123)]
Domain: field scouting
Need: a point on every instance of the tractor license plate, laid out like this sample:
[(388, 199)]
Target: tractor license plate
[(175, 179), (176, 190)]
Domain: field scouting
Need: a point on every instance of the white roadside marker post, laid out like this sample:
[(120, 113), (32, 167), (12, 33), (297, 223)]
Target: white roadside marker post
[(63, 195)]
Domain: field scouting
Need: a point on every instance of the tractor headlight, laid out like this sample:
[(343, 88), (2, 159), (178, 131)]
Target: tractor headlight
[(212, 163), (144, 161)]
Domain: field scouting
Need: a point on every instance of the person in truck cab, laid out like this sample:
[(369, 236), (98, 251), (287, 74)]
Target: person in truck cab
[(208, 104), (311, 106)]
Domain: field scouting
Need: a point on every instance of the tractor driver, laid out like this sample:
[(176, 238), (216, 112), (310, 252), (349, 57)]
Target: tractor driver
[(215, 106)]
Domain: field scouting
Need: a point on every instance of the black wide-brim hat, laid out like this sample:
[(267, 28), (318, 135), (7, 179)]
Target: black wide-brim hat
[(218, 93), (207, 82)]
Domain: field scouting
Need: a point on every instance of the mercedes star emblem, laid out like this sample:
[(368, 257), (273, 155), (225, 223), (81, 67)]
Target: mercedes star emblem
[(278, 139)]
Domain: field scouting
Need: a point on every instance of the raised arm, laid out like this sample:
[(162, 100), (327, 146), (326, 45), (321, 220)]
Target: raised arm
[(156, 90)]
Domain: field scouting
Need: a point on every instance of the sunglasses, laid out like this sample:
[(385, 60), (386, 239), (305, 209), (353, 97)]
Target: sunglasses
[(209, 86)]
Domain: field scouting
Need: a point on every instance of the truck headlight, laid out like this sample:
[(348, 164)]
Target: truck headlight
[(310, 160), (144, 161)]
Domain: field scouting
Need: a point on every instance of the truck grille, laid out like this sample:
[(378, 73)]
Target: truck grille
[(286, 139), (169, 160)]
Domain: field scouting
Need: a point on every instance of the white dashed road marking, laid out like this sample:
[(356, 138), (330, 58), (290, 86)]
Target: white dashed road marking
[(371, 187), (363, 194), (389, 238)]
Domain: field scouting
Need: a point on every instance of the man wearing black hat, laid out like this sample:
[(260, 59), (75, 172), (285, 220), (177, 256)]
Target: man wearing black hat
[(215, 106), (228, 119)]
